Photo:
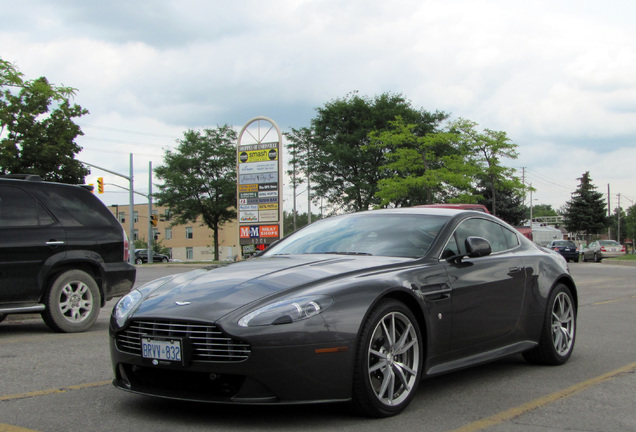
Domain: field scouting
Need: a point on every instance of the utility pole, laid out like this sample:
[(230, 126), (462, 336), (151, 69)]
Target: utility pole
[(131, 232), (609, 212), (151, 237), (618, 220)]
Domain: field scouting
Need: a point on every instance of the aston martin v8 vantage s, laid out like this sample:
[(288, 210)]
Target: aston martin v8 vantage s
[(351, 308)]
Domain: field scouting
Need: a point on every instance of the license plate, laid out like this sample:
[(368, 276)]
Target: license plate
[(162, 349), (567, 249)]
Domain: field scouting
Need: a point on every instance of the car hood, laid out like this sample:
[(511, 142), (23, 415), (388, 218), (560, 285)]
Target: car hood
[(211, 294)]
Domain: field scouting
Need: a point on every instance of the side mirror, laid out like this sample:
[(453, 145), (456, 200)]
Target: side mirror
[(477, 247)]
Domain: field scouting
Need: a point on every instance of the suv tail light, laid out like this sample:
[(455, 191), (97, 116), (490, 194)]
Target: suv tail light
[(126, 249)]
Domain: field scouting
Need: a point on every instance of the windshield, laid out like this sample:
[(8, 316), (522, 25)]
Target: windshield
[(398, 235)]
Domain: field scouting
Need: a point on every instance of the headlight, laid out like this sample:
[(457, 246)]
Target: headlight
[(286, 311), (128, 303), (125, 305)]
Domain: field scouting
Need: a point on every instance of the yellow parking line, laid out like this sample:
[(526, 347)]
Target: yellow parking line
[(537, 403), (52, 391), (9, 428)]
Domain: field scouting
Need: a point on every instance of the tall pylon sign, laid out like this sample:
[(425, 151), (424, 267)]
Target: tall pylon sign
[(260, 185)]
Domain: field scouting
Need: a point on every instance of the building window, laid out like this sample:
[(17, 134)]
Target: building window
[(122, 217), (189, 253), (189, 232), (135, 234), (136, 216), (167, 215), (168, 233)]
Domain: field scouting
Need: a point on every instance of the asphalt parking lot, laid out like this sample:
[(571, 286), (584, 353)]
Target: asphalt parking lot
[(61, 382)]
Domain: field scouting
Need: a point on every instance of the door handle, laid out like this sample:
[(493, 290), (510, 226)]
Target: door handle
[(54, 242)]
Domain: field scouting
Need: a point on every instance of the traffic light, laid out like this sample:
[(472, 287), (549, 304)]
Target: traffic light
[(153, 220), (100, 185)]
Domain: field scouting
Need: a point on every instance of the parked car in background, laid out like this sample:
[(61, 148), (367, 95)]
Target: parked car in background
[(141, 256), (567, 248), (62, 253), (378, 299), (599, 249)]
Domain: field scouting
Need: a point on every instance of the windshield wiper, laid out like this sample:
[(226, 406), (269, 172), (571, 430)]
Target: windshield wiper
[(348, 253)]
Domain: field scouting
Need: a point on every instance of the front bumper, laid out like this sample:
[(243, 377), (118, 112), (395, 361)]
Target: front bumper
[(269, 375)]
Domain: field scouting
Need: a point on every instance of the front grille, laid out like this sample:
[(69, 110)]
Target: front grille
[(207, 341)]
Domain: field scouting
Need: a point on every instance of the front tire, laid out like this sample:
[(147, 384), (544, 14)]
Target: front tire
[(559, 330), (72, 302), (389, 360), (139, 261)]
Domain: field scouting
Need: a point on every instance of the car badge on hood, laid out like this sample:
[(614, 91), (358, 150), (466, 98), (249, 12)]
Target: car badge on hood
[(182, 303)]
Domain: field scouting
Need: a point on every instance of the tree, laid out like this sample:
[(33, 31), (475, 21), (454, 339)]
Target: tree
[(488, 148), (422, 169), (617, 229), (199, 179), (302, 219), (344, 169), (586, 211), (510, 203), (540, 210), (37, 129), (630, 224)]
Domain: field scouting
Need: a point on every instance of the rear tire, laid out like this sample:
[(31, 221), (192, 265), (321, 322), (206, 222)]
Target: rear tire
[(72, 302), (559, 330), (2, 317), (389, 360)]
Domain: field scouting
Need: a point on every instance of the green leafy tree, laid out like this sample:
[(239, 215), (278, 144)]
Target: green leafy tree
[(422, 169), (618, 229), (510, 203), (488, 149), (343, 168), (37, 134), (630, 224), (199, 179), (302, 219), (586, 211), (541, 210)]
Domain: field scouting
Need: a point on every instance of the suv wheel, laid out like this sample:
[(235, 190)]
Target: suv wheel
[(139, 261), (72, 302)]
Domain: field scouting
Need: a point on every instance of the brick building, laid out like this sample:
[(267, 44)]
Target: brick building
[(189, 242)]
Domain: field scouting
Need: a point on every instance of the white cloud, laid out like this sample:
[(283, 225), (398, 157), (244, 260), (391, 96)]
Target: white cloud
[(558, 76)]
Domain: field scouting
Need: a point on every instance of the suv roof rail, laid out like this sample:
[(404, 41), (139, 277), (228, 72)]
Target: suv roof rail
[(88, 187), (30, 177)]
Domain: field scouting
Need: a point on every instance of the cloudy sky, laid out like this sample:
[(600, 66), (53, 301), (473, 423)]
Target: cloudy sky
[(558, 76)]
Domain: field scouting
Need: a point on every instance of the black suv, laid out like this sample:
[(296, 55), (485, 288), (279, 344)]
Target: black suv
[(62, 253), (141, 256)]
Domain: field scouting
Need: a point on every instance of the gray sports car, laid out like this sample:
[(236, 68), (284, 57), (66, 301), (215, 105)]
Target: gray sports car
[(352, 308)]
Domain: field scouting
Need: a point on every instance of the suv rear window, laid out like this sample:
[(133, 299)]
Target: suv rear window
[(74, 206)]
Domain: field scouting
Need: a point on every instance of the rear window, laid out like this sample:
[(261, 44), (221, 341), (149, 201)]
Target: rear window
[(564, 243), (609, 243), (74, 206)]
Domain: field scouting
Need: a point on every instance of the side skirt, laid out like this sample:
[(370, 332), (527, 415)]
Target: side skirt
[(480, 358)]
